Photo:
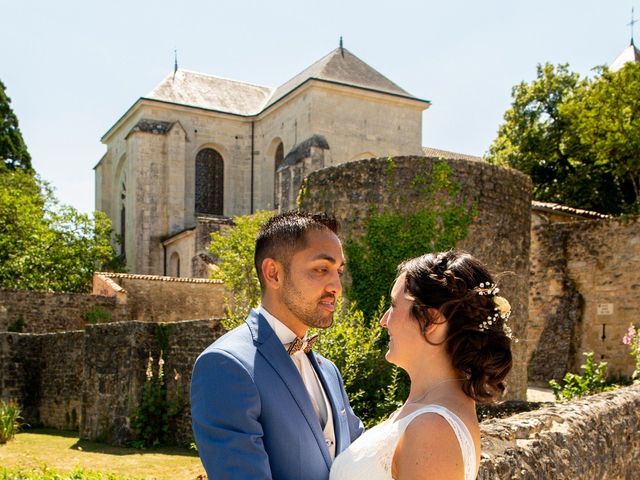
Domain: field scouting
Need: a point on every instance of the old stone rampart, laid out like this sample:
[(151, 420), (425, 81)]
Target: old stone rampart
[(584, 295), (41, 312), (91, 380), (594, 438), (43, 372), (498, 235)]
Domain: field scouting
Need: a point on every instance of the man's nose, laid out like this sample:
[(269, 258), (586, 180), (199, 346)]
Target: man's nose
[(335, 286), (383, 319)]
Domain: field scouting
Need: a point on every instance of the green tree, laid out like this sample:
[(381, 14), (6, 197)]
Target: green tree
[(539, 138), (13, 151), (45, 245), (605, 116), (234, 248)]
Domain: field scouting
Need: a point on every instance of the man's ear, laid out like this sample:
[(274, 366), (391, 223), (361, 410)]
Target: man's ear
[(272, 273)]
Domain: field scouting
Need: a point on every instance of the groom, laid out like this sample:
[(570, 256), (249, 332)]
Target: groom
[(264, 405)]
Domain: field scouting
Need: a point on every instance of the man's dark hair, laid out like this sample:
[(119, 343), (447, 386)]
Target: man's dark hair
[(284, 234)]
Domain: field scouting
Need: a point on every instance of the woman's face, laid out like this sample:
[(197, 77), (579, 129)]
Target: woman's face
[(405, 337)]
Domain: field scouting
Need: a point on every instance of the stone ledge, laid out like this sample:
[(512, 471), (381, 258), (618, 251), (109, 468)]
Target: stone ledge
[(597, 437), (157, 278)]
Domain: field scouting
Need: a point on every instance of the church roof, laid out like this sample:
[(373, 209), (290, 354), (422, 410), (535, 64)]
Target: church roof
[(240, 98), (209, 92), (213, 93), (342, 67), (437, 153), (629, 54)]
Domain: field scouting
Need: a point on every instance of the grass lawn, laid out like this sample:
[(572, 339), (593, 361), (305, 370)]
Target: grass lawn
[(64, 451)]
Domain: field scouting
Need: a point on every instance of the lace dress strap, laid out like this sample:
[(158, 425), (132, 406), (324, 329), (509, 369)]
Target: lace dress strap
[(459, 428)]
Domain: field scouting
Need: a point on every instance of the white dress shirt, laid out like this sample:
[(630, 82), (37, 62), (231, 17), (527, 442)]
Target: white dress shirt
[(310, 379)]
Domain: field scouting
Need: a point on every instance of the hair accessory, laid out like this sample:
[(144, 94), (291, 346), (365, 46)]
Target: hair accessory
[(501, 309)]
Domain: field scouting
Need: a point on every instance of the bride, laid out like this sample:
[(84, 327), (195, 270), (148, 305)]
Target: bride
[(448, 330)]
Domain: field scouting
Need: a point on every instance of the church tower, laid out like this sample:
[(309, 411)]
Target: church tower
[(199, 149)]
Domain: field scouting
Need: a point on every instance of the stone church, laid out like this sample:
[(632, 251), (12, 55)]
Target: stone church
[(199, 148)]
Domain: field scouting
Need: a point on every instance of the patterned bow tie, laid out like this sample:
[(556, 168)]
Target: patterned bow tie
[(300, 344)]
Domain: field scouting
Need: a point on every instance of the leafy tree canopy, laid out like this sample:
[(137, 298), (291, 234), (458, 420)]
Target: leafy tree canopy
[(575, 137), (45, 245), (13, 151)]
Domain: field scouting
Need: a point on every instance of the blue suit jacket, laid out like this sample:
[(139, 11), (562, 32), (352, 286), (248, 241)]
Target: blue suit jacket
[(252, 416)]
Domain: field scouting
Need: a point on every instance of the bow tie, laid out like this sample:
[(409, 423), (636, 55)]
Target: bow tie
[(300, 344)]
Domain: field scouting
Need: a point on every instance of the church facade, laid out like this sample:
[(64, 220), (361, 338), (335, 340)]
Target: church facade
[(198, 149)]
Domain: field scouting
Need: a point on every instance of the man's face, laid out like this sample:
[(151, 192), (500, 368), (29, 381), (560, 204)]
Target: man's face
[(312, 279)]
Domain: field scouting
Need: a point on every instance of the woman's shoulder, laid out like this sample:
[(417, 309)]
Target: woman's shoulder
[(429, 448)]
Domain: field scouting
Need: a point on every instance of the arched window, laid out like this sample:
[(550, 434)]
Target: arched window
[(209, 182), (278, 159), (279, 156), (174, 265), (123, 215)]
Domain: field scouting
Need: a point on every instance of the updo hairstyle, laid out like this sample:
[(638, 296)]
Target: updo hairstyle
[(449, 282)]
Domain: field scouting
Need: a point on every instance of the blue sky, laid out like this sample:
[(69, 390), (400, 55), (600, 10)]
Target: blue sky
[(72, 68)]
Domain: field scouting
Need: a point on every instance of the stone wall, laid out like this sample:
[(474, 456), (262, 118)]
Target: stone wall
[(498, 236), (40, 312), (584, 295), (203, 260), (304, 158), (115, 373), (43, 372), (92, 380), (151, 298), (594, 438)]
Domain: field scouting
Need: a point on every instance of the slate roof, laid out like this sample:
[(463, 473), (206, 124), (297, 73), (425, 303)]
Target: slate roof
[(343, 67), (437, 153), (629, 54), (213, 93), (241, 98)]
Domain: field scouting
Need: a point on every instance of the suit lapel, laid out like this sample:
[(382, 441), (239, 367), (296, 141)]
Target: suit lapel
[(273, 352)]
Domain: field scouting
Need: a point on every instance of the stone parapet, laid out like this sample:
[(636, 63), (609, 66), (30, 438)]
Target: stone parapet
[(594, 438), (42, 312)]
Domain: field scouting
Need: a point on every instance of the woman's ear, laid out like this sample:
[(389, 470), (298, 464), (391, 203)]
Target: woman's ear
[(271, 273), (437, 329)]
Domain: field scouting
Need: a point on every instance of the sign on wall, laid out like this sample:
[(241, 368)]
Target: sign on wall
[(605, 309)]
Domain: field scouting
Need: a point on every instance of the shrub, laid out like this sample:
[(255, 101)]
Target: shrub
[(10, 420), (594, 380), (234, 248), (152, 423), (97, 314)]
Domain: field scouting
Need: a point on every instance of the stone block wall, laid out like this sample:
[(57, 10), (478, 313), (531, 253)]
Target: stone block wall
[(43, 372), (20, 372), (41, 312), (202, 260), (594, 438), (115, 362), (92, 380), (499, 234), (152, 298), (584, 295), (61, 372)]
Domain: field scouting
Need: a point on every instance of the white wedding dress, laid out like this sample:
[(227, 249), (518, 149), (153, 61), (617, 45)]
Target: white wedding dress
[(370, 456)]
